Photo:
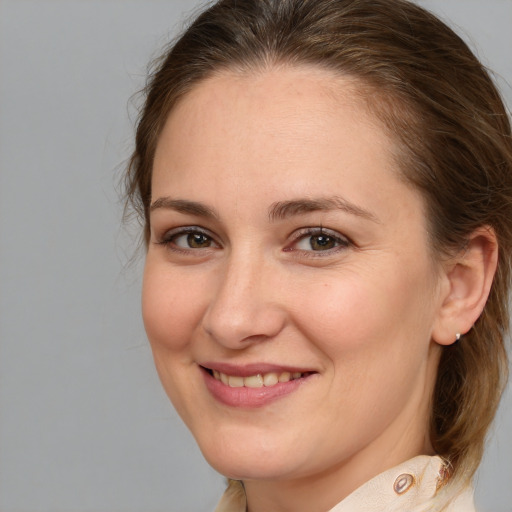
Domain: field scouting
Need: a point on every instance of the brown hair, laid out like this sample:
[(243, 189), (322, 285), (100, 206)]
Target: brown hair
[(453, 143)]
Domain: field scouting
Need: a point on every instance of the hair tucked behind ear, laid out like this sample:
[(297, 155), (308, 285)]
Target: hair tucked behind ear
[(453, 143)]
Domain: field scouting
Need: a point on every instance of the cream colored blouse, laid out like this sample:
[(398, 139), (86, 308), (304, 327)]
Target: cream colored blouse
[(417, 485)]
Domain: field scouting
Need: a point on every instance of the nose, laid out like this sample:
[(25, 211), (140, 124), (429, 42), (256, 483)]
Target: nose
[(245, 307)]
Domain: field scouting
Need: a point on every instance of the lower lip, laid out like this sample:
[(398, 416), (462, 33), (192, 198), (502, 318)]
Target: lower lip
[(249, 397)]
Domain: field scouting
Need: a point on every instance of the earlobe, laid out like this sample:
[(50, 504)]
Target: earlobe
[(469, 277)]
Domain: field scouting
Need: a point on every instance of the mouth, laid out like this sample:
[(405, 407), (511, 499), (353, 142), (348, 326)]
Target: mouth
[(252, 386), (258, 380)]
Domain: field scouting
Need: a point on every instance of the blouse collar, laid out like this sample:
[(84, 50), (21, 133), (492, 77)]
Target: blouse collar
[(411, 486)]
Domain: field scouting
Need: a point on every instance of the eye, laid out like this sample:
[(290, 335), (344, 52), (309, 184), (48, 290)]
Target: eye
[(192, 241), (188, 238), (319, 240), (316, 243)]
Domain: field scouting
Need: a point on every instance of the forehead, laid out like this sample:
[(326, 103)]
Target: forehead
[(275, 117), (276, 85)]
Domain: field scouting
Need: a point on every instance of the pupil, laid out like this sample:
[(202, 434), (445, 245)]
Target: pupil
[(322, 242), (197, 240)]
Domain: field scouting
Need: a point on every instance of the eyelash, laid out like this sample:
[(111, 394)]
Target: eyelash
[(341, 242), (169, 240)]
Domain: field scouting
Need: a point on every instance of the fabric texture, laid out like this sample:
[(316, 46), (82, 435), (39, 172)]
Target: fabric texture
[(417, 485)]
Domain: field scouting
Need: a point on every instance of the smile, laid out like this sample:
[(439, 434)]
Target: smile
[(252, 386), (256, 381)]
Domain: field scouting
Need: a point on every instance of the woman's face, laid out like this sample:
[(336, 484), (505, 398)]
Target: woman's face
[(289, 292)]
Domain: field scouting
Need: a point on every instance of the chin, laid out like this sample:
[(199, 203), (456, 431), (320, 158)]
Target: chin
[(262, 460), (255, 468), (242, 460)]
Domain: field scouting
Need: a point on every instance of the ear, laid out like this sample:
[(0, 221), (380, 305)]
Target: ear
[(468, 279)]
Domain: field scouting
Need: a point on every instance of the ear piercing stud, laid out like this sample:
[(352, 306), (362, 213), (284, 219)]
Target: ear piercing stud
[(457, 336)]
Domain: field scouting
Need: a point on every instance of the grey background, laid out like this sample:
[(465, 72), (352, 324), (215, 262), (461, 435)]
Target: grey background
[(84, 424)]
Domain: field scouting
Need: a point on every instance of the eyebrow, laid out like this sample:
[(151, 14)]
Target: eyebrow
[(284, 209), (280, 210), (184, 206)]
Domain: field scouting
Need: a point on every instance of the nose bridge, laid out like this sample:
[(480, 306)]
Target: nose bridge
[(245, 307)]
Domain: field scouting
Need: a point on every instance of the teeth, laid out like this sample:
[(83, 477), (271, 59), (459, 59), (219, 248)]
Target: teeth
[(256, 381), (235, 381), (270, 379)]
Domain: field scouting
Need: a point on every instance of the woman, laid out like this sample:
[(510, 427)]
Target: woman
[(326, 190)]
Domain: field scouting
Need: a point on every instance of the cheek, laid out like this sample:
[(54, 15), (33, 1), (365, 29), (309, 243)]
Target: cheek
[(363, 327), (341, 314), (172, 306), (371, 311)]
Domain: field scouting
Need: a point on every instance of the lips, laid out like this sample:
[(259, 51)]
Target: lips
[(252, 385)]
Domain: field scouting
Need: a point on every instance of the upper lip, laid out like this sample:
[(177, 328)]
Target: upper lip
[(246, 370)]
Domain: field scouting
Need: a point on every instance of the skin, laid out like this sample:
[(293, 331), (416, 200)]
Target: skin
[(367, 314)]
